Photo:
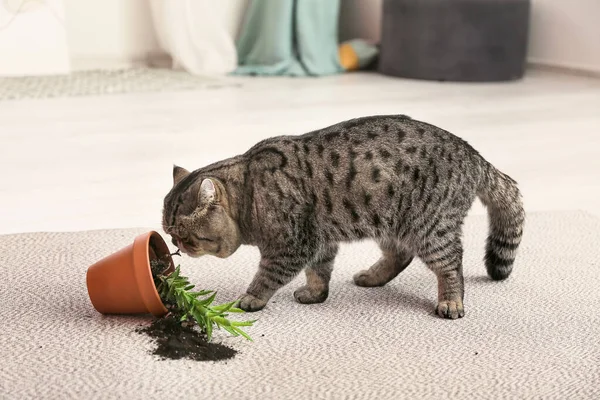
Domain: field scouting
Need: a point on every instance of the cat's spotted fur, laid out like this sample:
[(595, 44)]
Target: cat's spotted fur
[(404, 183)]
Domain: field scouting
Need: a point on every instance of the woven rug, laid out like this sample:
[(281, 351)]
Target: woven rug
[(534, 336), (103, 82)]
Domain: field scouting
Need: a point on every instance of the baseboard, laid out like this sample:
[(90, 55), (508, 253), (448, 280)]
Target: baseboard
[(163, 60), (564, 69)]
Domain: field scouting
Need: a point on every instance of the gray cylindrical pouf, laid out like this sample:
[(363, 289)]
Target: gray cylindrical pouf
[(455, 40)]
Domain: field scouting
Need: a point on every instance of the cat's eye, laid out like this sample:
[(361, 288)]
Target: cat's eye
[(202, 239)]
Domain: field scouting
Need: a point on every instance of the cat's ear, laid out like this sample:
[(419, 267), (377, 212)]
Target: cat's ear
[(178, 174), (208, 190)]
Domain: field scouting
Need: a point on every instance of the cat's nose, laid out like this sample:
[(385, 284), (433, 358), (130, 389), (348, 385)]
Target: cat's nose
[(174, 241)]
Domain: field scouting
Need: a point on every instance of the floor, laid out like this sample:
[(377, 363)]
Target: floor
[(105, 162)]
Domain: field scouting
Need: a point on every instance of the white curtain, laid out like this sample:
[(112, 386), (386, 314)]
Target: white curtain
[(199, 35)]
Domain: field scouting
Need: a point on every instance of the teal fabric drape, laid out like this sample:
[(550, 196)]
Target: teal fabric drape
[(289, 37)]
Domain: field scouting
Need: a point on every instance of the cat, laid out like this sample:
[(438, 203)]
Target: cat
[(404, 183)]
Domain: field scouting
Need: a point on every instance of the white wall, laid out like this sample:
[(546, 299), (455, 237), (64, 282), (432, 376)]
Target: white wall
[(33, 38), (109, 32), (564, 33), (121, 32)]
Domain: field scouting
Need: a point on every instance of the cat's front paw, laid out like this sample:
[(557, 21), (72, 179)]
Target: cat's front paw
[(450, 309), (306, 295), (251, 303)]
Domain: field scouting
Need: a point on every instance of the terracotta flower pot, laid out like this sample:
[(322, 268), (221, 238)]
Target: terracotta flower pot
[(122, 283)]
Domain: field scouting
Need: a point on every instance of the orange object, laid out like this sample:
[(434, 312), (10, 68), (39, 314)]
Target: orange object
[(122, 283), (348, 57)]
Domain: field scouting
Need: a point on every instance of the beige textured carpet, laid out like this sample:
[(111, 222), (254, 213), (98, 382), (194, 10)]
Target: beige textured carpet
[(536, 335)]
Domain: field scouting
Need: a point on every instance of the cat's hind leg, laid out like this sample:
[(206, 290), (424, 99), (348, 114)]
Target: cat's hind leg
[(444, 258), (318, 274), (394, 260)]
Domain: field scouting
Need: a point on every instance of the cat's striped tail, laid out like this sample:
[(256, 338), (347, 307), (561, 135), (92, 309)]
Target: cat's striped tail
[(500, 194)]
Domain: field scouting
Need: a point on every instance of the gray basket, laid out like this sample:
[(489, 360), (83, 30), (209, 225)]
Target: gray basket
[(455, 40)]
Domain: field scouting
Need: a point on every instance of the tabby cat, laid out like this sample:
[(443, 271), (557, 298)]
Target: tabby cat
[(404, 183)]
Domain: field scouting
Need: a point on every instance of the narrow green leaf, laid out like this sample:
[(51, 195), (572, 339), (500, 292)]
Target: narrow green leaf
[(200, 293), (231, 330), (223, 308), (208, 329), (197, 305), (236, 310), (243, 323), (222, 321), (199, 319), (207, 301), (244, 334)]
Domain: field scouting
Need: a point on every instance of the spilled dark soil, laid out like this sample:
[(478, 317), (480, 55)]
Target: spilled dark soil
[(175, 339)]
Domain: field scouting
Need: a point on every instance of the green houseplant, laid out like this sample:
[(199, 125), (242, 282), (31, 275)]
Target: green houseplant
[(176, 291)]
